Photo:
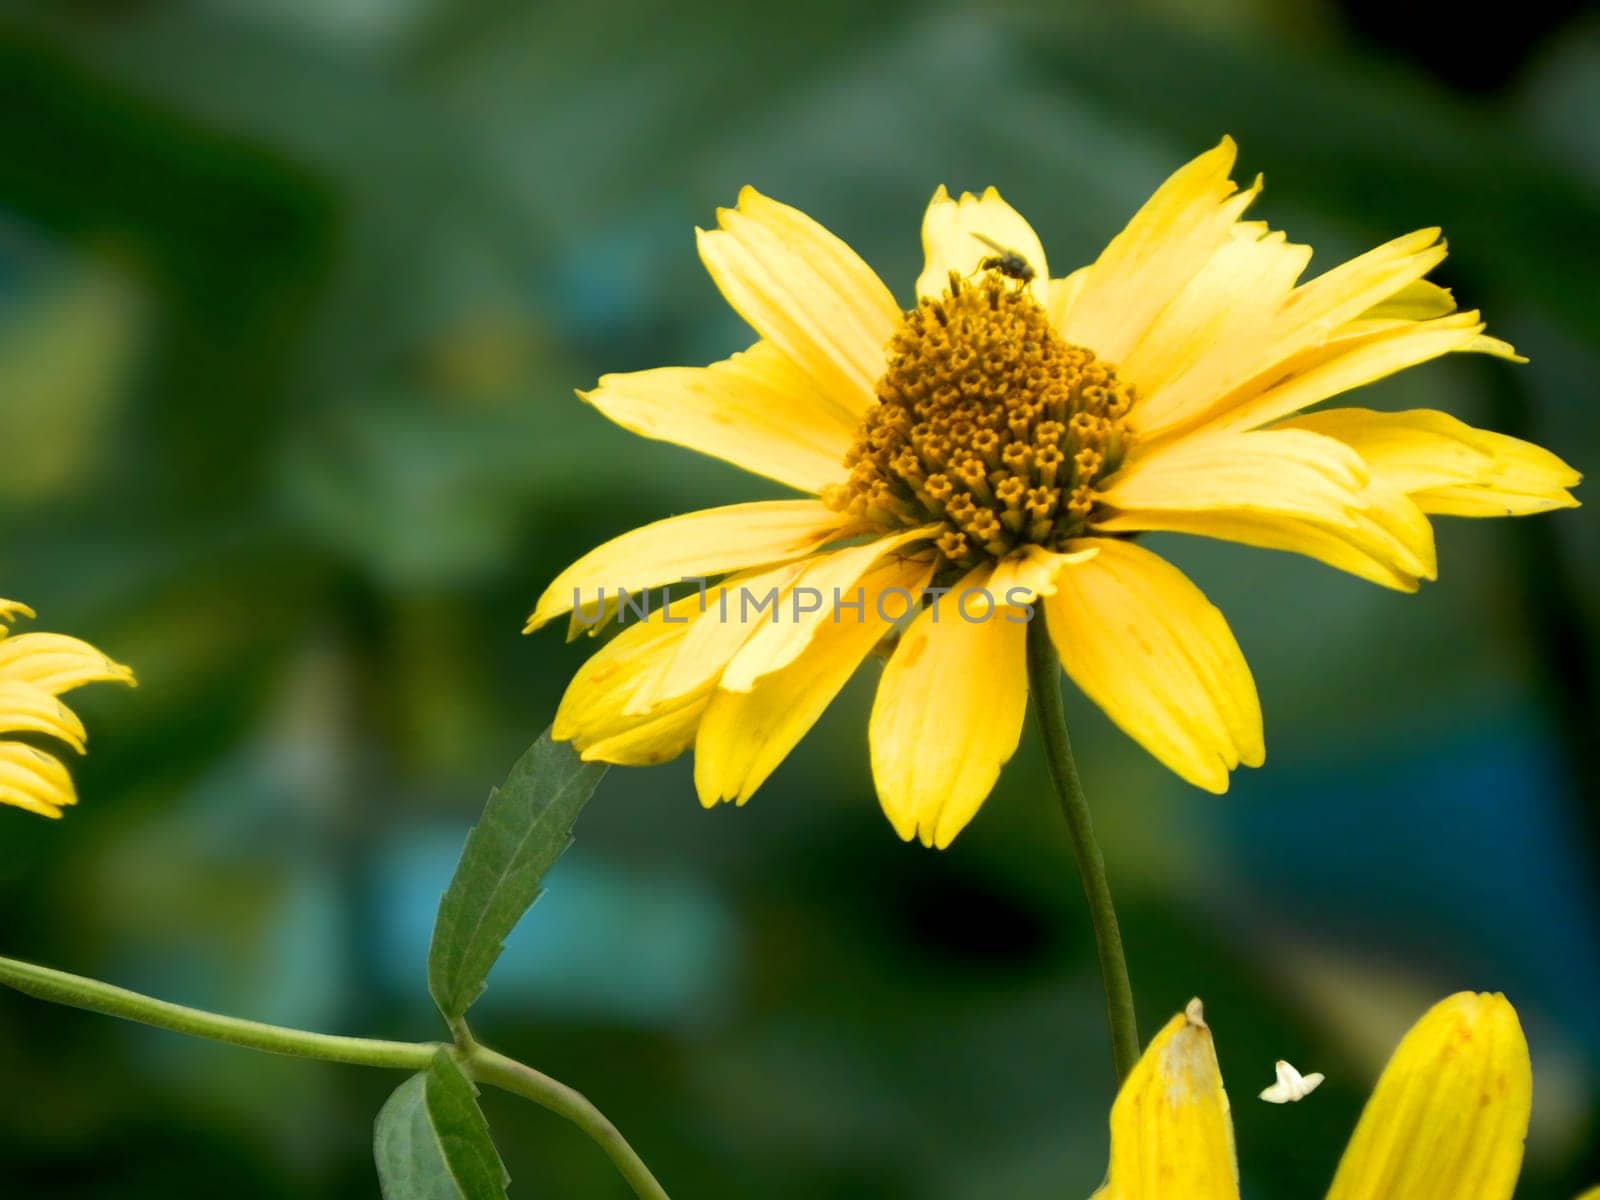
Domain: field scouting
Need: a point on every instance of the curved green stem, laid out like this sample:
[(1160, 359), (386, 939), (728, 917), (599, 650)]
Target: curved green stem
[(1044, 682), (507, 1074), (75, 991), (482, 1064)]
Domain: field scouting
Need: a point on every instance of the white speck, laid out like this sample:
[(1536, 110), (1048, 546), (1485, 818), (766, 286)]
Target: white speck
[(1291, 1085)]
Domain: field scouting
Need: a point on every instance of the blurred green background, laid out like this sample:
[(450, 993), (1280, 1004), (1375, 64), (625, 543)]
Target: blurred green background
[(293, 299)]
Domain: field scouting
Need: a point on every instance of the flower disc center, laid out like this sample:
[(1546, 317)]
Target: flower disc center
[(988, 423)]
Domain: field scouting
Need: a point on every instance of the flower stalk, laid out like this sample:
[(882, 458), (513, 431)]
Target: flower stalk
[(509, 1075), (478, 1062), (76, 991), (1044, 683)]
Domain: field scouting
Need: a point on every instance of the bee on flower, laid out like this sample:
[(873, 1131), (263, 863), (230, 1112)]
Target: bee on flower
[(1012, 434)]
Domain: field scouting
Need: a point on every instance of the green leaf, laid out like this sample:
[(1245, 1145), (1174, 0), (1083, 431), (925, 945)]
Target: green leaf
[(432, 1143), (526, 826)]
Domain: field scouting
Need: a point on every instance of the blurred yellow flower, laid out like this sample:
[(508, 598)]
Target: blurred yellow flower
[(1446, 1122), (1007, 438), (35, 669)]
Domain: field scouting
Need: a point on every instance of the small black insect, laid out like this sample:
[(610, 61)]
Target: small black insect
[(1005, 260)]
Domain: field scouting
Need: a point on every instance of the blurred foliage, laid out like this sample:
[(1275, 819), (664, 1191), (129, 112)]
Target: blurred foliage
[(293, 298)]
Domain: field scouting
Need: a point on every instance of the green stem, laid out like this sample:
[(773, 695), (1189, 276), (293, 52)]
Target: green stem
[(509, 1075), (1044, 682), (58, 987), (484, 1065)]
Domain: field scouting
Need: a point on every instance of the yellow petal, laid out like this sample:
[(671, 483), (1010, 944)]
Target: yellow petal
[(1484, 344), (1368, 553), (756, 410), (1171, 1128), (1147, 646), (1449, 1115), (713, 541), (1446, 465), (1286, 489), (593, 712), (1152, 260), (807, 603), (1423, 301), (1031, 572), (744, 735), (1370, 351), (34, 781), (57, 663), (1254, 359), (10, 610), (1419, 301), (806, 292), (27, 708), (658, 738), (718, 625), (953, 233), (949, 711), (1288, 472), (1352, 288), (1233, 296), (1063, 295)]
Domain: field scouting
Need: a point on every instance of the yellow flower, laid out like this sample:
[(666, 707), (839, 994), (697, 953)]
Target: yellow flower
[(1008, 438), (1446, 1122), (35, 669)]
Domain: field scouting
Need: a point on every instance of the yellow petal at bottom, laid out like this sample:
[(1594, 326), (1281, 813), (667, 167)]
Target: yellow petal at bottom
[(1171, 1130), (1147, 646), (949, 710), (1448, 1118), (593, 714), (744, 735)]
